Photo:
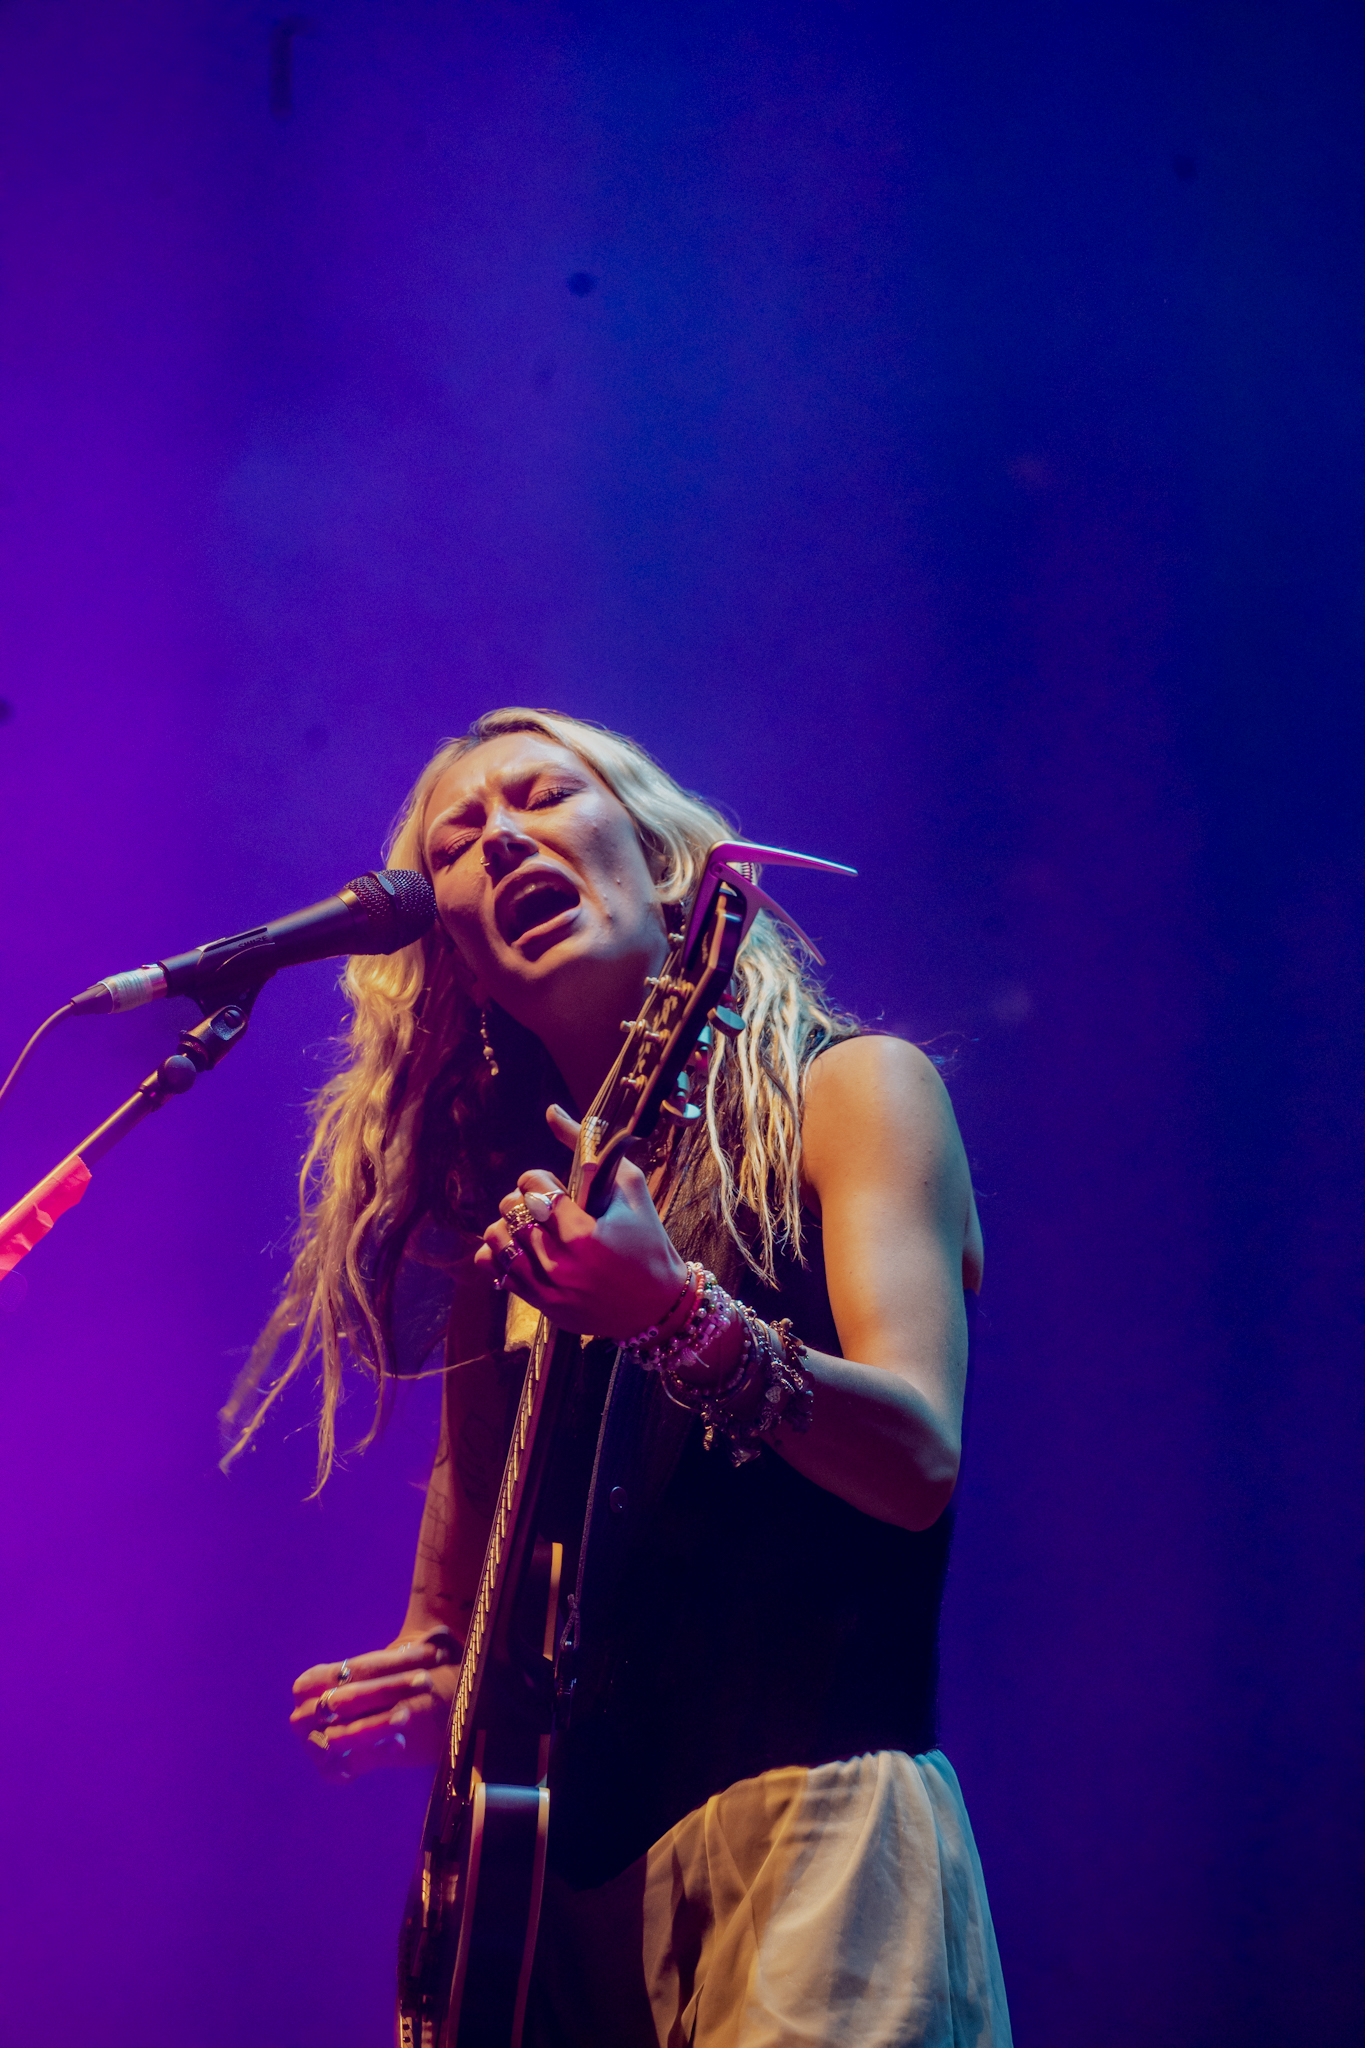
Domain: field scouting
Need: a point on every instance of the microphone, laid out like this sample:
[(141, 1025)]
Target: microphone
[(376, 913)]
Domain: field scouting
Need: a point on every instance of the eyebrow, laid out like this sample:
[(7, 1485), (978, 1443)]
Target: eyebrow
[(465, 807), (452, 815)]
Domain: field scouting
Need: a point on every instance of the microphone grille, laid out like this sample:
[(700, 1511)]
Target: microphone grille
[(399, 905)]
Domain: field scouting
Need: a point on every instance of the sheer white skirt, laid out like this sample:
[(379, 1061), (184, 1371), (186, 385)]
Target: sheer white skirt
[(843, 1904)]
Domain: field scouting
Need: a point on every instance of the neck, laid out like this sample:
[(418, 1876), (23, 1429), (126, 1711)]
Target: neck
[(580, 1027), (585, 1064), (584, 1041)]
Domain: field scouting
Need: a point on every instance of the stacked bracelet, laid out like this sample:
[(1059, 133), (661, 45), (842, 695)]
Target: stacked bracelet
[(702, 1323), (770, 1361)]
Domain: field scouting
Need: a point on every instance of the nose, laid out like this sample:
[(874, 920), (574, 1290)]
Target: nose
[(505, 845)]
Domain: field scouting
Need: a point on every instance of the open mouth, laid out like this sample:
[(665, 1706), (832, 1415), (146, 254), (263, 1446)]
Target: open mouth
[(538, 902)]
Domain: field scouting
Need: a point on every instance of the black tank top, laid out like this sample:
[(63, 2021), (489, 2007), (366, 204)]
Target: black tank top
[(743, 1619)]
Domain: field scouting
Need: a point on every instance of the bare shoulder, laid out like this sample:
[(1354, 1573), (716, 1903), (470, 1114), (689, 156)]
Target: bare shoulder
[(872, 1086), (878, 1124)]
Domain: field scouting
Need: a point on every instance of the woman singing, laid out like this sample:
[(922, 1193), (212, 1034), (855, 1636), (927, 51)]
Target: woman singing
[(753, 1837)]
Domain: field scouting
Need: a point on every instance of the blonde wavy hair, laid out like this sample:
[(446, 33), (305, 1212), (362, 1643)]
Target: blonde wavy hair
[(409, 1127)]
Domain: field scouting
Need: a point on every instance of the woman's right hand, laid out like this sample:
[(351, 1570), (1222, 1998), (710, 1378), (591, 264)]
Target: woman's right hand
[(380, 1709)]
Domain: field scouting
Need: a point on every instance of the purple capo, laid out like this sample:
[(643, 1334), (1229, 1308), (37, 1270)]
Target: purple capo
[(721, 865)]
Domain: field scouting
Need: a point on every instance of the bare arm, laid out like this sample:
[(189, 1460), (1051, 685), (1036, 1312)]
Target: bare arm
[(887, 1174), (460, 1497), (392, 1706), (885, 1169)]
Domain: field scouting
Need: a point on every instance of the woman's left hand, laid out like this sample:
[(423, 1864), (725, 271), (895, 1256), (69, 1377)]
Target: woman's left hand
[(612, 1275)]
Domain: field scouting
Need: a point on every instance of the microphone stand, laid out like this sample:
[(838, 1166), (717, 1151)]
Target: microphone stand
[(201, 1047)]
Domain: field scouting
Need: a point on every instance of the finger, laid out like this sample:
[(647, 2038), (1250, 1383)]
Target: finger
[(567, 1128), (496, 1268), (547, 1199), (376, 1744), (500, 1240), (356, 1702), (631, 1187), (425, 1652), (555, 1213), (564, 1126), (529, 1228)]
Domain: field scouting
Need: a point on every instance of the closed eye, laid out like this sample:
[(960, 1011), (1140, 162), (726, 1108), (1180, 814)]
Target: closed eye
[(449, 851), (543, 798)]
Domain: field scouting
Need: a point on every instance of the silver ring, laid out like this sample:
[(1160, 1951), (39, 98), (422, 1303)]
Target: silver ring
[(323, 1713), (546, 1203), (345, 1677), (509, 1255)]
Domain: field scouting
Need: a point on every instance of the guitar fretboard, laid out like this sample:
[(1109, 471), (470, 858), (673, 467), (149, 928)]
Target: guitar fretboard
[(504, 1518)]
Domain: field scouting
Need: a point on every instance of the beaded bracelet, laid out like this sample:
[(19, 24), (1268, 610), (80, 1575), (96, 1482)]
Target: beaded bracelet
[(787, 1395), (774, 1350), (703, 1322)]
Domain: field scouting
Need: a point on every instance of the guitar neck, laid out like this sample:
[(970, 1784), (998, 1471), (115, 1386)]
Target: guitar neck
[(507, 1541)]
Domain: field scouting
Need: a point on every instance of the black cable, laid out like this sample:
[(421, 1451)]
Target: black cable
[(13, 1074)]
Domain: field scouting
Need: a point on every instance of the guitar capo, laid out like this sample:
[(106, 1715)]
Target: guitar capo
[(723, 865)]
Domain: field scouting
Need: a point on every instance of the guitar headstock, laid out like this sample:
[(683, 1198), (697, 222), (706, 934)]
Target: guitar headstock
[(682, 1004)]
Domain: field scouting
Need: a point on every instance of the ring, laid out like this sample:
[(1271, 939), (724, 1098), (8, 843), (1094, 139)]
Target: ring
[(519, 1217), (542, 1207), (323, 1713), (509, 1255), (345, 1677)]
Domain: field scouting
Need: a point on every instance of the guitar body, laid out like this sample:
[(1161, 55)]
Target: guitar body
[(481, 1941), (469, 1930)]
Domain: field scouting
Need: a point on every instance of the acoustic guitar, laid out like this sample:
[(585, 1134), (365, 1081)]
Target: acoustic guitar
[(469, 1930)]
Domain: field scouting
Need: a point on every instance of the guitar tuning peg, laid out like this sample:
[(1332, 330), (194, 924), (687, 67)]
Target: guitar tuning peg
[(727, 1020), (699, 1059), (680, 1108)]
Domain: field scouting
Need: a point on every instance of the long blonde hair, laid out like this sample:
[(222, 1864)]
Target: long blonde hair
[(409, 1126)]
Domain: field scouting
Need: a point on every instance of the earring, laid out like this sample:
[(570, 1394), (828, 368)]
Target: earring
[(489, 1055)]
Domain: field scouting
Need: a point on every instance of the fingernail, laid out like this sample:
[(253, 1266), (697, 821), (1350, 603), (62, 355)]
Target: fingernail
[(420, 1681), (399, 1716)]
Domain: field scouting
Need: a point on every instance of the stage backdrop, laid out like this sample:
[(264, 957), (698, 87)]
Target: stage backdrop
[(938, 435)]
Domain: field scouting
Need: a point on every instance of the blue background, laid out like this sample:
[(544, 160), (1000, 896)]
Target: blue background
[(955, 468)]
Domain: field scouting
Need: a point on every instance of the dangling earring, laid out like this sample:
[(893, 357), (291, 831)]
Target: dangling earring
[(488, 1052)]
